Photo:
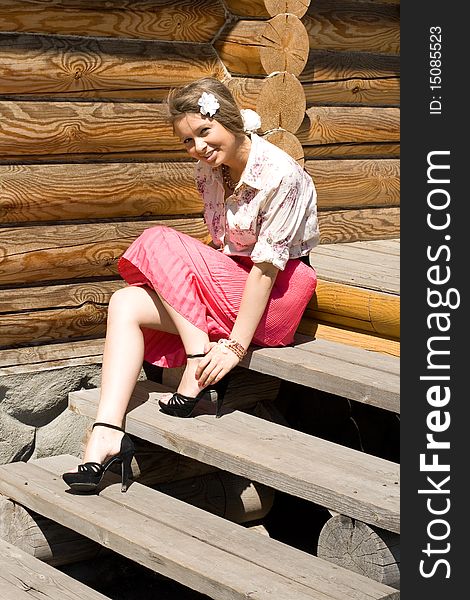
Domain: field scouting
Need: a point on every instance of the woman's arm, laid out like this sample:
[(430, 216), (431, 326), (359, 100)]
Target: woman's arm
[(254, 300), (219, 361)]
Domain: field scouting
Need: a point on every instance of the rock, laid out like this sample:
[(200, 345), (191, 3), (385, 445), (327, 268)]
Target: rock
[(38, 398), (16, 439)]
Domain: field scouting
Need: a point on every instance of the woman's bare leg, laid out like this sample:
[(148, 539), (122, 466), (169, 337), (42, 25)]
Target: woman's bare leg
[(130, 309)]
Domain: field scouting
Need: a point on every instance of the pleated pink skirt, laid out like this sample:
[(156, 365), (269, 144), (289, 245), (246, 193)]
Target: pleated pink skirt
[(206, 286)]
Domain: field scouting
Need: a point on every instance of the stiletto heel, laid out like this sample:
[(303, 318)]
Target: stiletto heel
[(90, 474), (221, 388)]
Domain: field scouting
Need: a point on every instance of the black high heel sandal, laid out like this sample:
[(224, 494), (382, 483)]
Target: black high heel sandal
[(90, 474), (180, 405)]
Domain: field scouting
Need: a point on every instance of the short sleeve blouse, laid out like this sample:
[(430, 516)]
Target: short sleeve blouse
[(271, 215)]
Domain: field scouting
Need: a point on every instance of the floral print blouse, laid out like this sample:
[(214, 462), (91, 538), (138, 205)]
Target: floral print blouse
[(272, 214)]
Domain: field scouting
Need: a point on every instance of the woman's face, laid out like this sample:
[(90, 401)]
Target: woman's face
[(206, 139)]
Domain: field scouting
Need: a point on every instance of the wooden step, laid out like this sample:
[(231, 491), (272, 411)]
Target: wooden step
[(24, 577), (373, 264), (198, 549), (347, 371), (341, 479)]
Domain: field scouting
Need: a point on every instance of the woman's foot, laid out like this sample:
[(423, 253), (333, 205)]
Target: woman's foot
[(102, 443), (188, 385)]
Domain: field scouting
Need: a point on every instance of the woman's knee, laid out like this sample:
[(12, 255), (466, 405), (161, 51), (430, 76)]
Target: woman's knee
[(127, 301)]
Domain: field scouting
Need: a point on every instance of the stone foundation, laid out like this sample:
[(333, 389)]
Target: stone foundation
[(34, 416)]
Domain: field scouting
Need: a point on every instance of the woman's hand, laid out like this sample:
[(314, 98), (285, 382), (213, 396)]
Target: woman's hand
[(216, 364)]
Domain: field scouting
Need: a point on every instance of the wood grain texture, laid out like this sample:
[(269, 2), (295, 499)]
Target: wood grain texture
[(35, 193), (351, 77), (360, 92), (285, 45), (355, 308), (281, 102), (187, 20), (42, 538), (371, 265), (352, 150), (355, 183), (55, 312), (70, 68), (353, 483), (55, 252), (39, 193), (184, 543), (50, 325), (337, 226), (350, 124), (22, 575), (50, 356), (65, 129), (365, 341), (350, 25), (262, 47), (361, 548), (37, 128), (343, 365), (267, 8)]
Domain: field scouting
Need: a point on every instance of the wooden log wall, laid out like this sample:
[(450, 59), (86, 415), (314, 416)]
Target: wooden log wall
[(87, 160)]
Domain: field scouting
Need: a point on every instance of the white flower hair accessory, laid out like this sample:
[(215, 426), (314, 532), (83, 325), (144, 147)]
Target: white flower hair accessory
[(208, 103), (251, 120)]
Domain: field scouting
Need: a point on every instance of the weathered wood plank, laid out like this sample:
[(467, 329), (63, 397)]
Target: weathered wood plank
[(347, 481), (187, 20), (380, 362), (49, 253), (71, 295), (338, 226), (355, 183), (182, 542), (365, 266), (50, 356), (345, 25), (54, 128), (349, 337), (351, 78), (23, 577), (352, 150), (337, 368), (365, 92), (35, 193), (355, 308), (350, 124), (58, 324), (71, 68)]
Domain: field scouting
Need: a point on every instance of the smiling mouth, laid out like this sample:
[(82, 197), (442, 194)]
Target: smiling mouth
[(207, 156)]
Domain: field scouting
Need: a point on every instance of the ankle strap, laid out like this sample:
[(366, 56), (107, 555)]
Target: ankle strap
[(107, 425), (195, 355)]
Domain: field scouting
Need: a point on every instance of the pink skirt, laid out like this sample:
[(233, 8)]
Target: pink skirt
[(206, 286)]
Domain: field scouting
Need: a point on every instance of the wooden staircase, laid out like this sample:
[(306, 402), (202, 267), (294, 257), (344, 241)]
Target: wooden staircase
[(196, 548), (200, 550)]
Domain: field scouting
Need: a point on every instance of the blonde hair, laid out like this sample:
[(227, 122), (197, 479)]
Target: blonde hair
[(185, 100)]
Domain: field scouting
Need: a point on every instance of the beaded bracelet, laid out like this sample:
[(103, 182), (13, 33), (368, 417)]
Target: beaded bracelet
[(234, 346)]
